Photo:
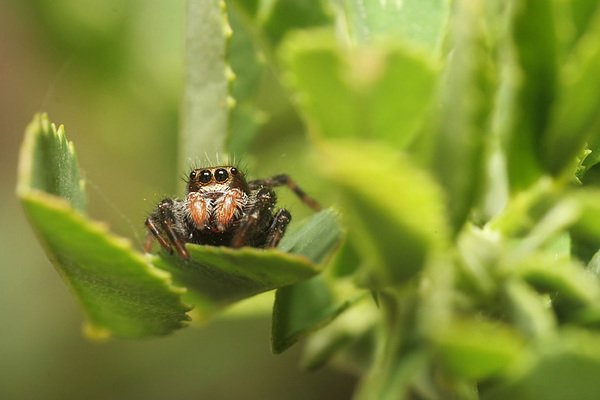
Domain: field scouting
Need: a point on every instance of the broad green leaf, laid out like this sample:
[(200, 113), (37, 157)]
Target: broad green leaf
[(569, 281), (206, 101), (475, 348), (461, 135), (352, 325), (588, 317), (536, 74), (274, 19), (397, 211), (576, 116), (219, 276), (307, 306), (420, 23), (346, 262), (548, 234), (121, 293), (524, 209), (566, 367), (354, 93), (302, 308), (287, 15)]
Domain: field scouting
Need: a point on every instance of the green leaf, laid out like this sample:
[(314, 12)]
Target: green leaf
[(569, 280), (307, 306), (219, 276), (530, 312), (566, 367), (576, 117), (396, 225), (315, 237), (300, 309), (396, 380), (352, 325), (461, 135), (420, 23), (276, 18), (121, 293), (355, 93), (347, 260), (479, 251), (475, 348), (534, 35), (287, 15), (436, 298), (247, 65), (206, 101), (48, 164), (588, 201), (583, 13), (585, 232)]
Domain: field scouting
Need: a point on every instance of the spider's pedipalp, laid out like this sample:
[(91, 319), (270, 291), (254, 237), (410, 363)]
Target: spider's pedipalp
[(227, 207), (198, 208)]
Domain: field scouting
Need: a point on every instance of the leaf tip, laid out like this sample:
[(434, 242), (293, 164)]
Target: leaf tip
[(96, 333)]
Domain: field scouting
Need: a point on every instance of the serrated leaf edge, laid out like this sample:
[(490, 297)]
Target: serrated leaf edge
[(39, 125), (124, 244)]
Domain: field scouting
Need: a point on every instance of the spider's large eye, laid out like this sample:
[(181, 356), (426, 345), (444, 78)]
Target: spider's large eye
[(221, 175), (205, 176)]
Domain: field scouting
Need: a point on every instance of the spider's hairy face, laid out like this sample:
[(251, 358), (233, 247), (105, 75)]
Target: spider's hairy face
[(216, 180), (216, 197)]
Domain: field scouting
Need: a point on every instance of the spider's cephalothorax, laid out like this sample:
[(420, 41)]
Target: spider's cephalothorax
[(222, 209)]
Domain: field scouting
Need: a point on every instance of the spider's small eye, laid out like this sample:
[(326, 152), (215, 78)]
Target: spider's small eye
[(192, 175), (221, 175), (233, 171), (205, 176)]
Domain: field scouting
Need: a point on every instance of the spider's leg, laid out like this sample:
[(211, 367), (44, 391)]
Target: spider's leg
[(154, 233), (166, 218), (256, 218), (277, 229), (285, 180), (177, 242)]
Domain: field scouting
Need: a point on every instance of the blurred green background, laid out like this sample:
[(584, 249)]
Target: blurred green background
[(112, 73)]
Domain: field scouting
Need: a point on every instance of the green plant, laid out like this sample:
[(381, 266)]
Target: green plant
[(461, 142)]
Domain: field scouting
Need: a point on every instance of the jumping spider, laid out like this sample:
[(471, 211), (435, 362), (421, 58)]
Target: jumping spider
[(222, 209)]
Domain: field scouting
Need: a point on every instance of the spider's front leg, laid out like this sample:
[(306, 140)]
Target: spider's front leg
[(285, 180), (162, 225), (256, 220), (277, 229)]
